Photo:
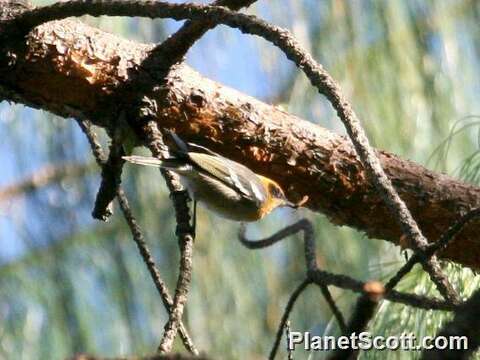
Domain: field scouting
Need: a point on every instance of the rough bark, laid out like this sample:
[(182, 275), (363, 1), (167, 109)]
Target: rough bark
[(74, 70)]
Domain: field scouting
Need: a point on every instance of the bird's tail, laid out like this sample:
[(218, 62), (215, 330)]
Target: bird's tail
[(170, 163), (179, 159)]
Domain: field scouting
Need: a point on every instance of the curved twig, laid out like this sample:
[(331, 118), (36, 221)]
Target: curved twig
[(176, 46), (306, 226), (286, 313)]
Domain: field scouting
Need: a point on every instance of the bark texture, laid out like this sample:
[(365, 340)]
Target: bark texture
[(74, 70)]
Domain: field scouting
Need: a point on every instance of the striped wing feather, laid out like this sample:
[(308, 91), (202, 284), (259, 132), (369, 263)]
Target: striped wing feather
[(230, 173)]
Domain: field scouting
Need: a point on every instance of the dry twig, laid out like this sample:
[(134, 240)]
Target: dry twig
[(184, 233), (286, 314), (138, 237)]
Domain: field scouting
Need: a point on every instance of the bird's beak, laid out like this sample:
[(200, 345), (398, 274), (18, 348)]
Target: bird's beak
[(298, 204)]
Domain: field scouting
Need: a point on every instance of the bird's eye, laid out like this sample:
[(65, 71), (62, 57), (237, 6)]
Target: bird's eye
[(275, 191)]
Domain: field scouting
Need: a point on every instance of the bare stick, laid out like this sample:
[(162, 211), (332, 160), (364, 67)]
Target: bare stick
[(184, 233), (463, 329), (286, 313), (364, 311), (152, 268), (440, 244), (287, 334), (173, 49), (307, 228), (366, 304), (111, 179), (138, 237), (325, 278), (333, 307)]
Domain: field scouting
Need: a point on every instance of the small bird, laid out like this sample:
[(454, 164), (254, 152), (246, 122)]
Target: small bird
[(226, 187)]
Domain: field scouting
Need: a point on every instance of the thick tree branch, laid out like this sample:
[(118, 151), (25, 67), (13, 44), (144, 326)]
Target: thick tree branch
[(88, 79)]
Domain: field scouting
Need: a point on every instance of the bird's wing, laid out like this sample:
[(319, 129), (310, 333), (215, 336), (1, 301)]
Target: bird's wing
[(232, 174), (180, 148), (201, 149)]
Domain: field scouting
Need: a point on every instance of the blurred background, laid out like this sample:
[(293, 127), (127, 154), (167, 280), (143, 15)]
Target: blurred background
[(70, 284)]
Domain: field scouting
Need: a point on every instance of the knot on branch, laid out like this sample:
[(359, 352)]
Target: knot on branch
[(111, 180), (180, 200)]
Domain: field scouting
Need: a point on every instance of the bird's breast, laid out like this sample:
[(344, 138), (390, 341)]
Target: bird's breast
[(221, 199)]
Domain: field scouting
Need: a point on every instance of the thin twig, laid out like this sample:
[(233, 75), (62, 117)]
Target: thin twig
[(138, 236), (325, 278), (364, 311), (175, 47), (346, 282), (272, 239), (308, 235), (180, 298), (463, 330), (333, 307), (180, 199), (440, 244), (287, 335), (152, 268), (286, 313), (86, 127)]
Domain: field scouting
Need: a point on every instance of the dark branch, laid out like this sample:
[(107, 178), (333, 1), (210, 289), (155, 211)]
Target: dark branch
[(176, 46), (325, 278), (180, 199), (333, 307), (111, 180), (286, 314), (346, 282), (465, 323), (309, 241), (138, 238), (152, 268), (440, 244), (363, 312)]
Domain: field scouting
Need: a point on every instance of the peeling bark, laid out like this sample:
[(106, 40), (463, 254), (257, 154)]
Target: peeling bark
[(74, 70)]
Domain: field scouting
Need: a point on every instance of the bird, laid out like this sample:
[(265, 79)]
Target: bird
[(226, 187)]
